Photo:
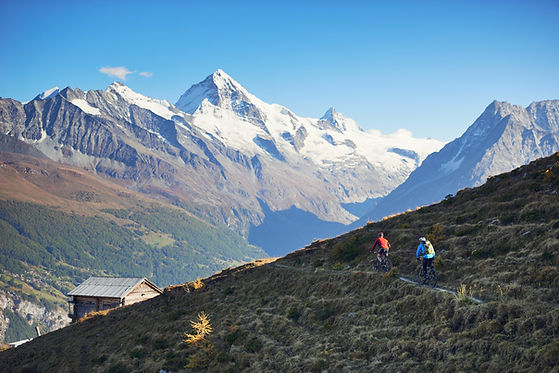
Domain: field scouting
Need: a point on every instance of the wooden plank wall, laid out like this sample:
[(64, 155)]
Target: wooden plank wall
[(85, 305), (142, 292)]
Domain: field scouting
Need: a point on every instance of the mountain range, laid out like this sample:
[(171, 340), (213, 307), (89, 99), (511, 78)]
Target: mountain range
[(220, 152)]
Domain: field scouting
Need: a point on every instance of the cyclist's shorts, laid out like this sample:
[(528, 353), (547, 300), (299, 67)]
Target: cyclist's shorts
[(381, 251)]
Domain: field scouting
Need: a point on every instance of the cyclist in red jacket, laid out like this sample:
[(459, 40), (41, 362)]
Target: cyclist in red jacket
[(383, 244)]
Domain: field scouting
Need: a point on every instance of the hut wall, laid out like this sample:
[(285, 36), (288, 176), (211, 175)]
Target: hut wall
[(85, 305), (140, 293)]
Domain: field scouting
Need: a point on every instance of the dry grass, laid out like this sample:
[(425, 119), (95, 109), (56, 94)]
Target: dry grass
[(94, 314), (497, 242), (198, 284), (4, 347)]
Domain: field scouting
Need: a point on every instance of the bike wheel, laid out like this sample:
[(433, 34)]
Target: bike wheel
[(375, 265), (420, 276), (387, 264), (431, 279)]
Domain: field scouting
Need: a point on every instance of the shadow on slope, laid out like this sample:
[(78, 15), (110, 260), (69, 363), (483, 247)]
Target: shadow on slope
[(303, 227)]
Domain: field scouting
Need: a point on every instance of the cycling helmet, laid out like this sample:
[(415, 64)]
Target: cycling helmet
[(422, 239)]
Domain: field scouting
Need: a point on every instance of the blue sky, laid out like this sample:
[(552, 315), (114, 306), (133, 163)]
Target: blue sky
[(428, 66)]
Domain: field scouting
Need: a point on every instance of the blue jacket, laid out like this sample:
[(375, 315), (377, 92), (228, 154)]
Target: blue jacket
[(421, 251)]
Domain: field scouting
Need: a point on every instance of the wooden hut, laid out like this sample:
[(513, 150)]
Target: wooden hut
[(102, 293)]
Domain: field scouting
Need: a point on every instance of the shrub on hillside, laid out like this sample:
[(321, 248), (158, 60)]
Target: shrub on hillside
[(438, 262), (346, 250), (550, 354), (547, 257), (138, 353), (393, 273), (547, 277), (435, 233), (253, 345), (468, 230), (119, 367), (325, 312), (160, 343), (293, 314), (481, 253), (532, 215), (508, 218)]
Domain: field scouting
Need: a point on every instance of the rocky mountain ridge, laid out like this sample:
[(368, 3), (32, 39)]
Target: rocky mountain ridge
[(504, 137)]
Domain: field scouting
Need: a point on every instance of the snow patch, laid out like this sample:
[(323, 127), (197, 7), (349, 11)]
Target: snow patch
[(48, 93), (159, 107), (85, 106), (452, 165)]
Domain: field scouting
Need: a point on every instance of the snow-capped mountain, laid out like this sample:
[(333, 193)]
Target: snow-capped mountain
[(220, 152), (333, 144), (504, 137)]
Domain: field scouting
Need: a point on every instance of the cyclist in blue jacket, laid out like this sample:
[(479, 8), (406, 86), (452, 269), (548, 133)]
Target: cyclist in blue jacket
[(426, 249)]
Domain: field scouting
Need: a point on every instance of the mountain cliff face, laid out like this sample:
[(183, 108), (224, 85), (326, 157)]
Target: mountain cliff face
[(505, 136), (220, 152), (18, 315)]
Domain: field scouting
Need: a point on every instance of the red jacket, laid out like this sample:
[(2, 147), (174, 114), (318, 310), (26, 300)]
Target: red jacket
[(382, 242)]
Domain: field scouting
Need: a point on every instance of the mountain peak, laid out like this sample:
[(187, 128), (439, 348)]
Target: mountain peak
[(48, 93), (116, 84), (123, 90), (499, 105), (338, 121), (488, 120), (118, 87), (221, 75), (331, 114), (219, 88), (225, 83)]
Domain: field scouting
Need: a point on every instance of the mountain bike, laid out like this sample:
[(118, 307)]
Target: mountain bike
[(429, 277), (384, 265)]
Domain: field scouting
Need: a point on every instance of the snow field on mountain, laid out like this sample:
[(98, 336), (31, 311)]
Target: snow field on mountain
[(160, 107), (226, 126), (343, 142), (85, 106)]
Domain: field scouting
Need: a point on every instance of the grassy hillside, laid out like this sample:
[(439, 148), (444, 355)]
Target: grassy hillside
[(59, 225), (322, 309)]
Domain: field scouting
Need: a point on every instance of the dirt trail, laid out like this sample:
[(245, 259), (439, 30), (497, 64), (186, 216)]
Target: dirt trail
[(477, 300), (347, 270)]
